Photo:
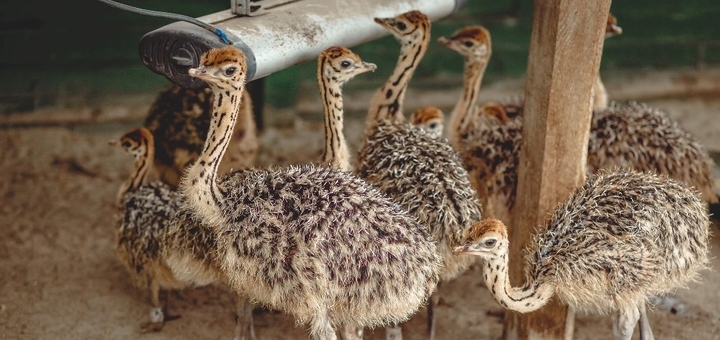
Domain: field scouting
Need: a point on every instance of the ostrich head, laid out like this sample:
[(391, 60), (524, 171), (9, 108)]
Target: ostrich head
[(406, 27), (430, 119), (612, 29), (472, 42), (135, 142), (224, 68), (487, 239), (494, 110), (340, 64)]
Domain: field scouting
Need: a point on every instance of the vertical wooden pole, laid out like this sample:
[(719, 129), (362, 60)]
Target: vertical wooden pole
[(563, 63)]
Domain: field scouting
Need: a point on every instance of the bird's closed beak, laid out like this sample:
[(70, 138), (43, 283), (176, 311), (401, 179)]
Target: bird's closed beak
[(198, 72), (615, 30), (461, 250), (113, 142), (385, 22), (444, 41), (369, 66)]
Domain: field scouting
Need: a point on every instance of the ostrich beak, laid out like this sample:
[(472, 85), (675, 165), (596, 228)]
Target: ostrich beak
[(369, 67), (461, 250), (384, 22), (444, 41), (199, 72), (615, 30), (113, 142)]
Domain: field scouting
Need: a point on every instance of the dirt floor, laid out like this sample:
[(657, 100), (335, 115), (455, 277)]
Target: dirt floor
[(59, 278)]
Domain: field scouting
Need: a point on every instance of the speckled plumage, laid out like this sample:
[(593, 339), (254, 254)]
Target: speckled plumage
[(153, 230), (425, 176), (628, 235), (643, 138), (179, 120), (491, 156), (620, 238), (630, 136), (305, 238), (316, 242)]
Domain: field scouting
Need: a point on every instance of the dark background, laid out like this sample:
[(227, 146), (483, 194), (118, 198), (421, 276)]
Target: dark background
[(79, 52)]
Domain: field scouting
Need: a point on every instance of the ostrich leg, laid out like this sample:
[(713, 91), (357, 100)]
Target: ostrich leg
[(624, 323), (645, 330), (244, 329)]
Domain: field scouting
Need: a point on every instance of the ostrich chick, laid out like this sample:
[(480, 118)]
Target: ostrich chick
[(430, 119), (412, 30), (314, 241), (473, 43), (418, 171), (490, 155), (160, 246), (336, 66), (621, 238)]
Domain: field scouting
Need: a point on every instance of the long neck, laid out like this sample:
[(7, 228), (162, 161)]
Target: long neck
[(474, 71), (600, 96), (336, 151), (199, 184), (387, 103), (138, 177), (527, 298)]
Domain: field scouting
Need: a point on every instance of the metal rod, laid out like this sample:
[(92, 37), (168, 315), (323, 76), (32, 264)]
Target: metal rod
[(285, 36)]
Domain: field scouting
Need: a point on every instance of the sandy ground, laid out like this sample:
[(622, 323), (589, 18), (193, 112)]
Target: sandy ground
[(59, 278)]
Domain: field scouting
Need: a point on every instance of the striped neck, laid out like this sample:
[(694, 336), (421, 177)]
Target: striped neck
[(144, 155), (199, 184), (336, 151), (600, 96), (527, 298), (387, 103), (464, 109)]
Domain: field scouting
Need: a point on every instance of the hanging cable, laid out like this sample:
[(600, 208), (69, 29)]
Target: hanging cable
[(172, 16)]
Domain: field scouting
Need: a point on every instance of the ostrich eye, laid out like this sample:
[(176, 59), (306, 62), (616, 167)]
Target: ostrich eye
[(433, 125), (468, 44), (489, 243), (345, 64), (401, 25), (230, 70), (126, 144)]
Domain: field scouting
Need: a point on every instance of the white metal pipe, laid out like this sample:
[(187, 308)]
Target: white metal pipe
[(286, 35)]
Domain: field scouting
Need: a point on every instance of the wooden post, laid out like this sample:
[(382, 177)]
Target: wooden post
[(565, 50)]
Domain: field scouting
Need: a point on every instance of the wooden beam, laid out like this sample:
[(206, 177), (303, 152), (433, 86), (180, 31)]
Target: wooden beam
[(565, 49)]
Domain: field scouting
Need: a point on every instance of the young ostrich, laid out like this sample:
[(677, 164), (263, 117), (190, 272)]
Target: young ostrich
[(179, 119), (491, 156), (421, 173), (412, 30), (621, 238), (333, 72), (314, 241), (430, 119), (474, 44), (161, 246), (631, 136)]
